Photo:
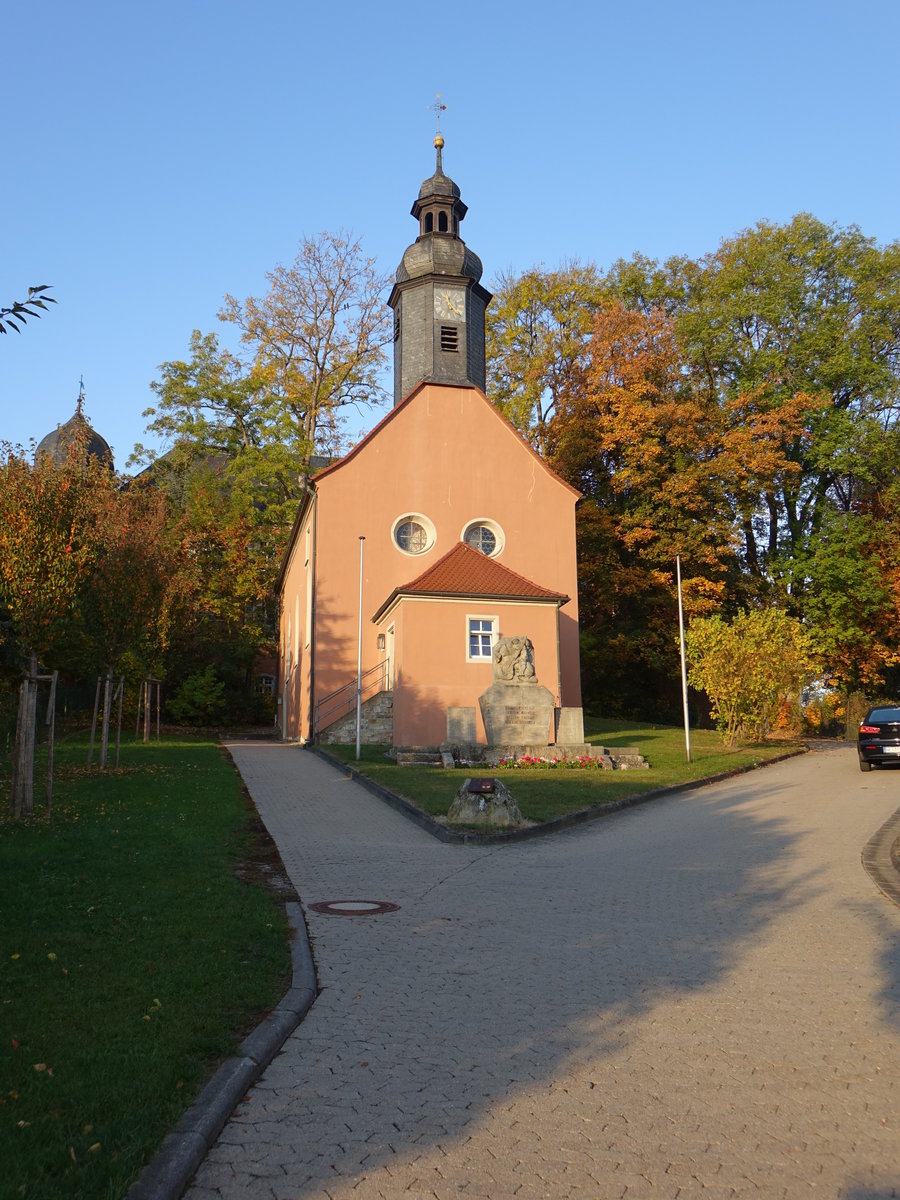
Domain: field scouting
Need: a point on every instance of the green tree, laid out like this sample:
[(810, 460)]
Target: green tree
[(15, 315), (850, 598), (538, 327), (750, 668), (784, 322)]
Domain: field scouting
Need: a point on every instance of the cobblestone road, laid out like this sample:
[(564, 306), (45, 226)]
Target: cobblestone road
[(699, 996)]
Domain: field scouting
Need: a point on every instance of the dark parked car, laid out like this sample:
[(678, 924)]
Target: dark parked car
[(879, 736)]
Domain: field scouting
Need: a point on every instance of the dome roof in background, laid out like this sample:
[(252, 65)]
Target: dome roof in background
[(77, 431)]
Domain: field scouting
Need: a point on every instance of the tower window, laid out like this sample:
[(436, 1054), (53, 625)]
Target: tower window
[(449, 339), (442, 222), (396, 327), (429, 222)]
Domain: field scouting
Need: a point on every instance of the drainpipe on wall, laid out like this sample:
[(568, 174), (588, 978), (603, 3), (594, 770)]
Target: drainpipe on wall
[(558, 658), (312, 586)]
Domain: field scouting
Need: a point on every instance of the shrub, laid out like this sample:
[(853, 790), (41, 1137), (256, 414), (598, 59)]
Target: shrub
[(200, 700)]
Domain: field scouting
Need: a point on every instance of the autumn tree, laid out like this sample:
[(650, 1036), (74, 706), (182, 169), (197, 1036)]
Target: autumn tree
[(233, 478), (315, 341), (797, 324), (43, 557), (538, 326), (242, 430), (77, 557), (750, 667), (641, 443)]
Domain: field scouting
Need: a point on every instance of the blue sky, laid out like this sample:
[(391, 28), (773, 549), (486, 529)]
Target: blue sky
[(156, 156)]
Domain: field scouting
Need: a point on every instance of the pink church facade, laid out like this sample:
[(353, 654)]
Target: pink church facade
[(447, 463), (468, 535)]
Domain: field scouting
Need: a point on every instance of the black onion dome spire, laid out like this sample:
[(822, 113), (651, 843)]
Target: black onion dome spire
[(77, 432), (438, 184), (439, 249), (437, 298)]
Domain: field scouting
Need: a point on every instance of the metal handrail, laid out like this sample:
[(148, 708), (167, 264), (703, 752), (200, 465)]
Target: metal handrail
[(343, 699)]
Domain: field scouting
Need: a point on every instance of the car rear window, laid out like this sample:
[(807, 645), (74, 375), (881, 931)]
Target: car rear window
[(884, 715)]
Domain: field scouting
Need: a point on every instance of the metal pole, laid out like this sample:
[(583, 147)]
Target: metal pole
[(362, 544), (684, 687)]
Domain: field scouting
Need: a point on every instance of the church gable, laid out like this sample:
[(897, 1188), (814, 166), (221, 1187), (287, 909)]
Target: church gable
[(437, 418)]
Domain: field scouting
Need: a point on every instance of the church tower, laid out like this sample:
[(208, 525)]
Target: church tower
[(438, 302)]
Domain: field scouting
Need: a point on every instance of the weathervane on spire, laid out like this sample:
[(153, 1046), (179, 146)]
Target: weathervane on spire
[(79, 408), (437, 108)]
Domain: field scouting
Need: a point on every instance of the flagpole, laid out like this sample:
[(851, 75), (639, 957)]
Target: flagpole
[(684, 687)]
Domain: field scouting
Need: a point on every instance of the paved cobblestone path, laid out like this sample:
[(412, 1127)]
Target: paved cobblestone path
[(699, 996)]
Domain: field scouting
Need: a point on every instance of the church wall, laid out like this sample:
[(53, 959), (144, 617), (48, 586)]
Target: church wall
[(296, 635), (431, 668), (448, 455)]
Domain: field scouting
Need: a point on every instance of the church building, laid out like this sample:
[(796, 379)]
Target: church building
[(439, 533)]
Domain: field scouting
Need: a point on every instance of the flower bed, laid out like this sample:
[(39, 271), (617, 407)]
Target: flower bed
[(583, 761)]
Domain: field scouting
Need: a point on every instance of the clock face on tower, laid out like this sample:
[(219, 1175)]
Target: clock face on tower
[(450, 303)]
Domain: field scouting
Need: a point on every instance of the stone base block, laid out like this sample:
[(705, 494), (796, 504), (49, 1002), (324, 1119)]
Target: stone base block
[(570, 726), (497, 808)]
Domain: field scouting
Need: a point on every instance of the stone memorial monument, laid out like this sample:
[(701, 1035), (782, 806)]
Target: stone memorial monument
[(516, 709)]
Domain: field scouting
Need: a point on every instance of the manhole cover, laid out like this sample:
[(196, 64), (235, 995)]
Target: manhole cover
[(354, 908)]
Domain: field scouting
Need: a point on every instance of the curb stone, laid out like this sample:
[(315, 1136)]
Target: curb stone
[(461, 837), (169, 1171), (881, 858)]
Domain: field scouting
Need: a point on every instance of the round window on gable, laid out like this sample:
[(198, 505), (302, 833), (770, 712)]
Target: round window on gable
[(484, 536), (413, 534)]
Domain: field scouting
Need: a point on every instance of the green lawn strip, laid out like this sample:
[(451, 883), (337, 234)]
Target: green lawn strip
[(131, 961), (545, 793)]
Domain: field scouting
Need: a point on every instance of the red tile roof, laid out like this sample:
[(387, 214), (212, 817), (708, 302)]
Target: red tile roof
[(466, 572)]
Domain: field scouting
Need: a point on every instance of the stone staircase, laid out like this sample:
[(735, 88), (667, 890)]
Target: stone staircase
[(625, 758), (376, 724)]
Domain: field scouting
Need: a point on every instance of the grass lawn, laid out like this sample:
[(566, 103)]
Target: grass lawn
[(544, 794), (132, 958)]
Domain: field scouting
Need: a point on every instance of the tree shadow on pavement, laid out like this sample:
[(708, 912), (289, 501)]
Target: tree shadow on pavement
[(570, 973)]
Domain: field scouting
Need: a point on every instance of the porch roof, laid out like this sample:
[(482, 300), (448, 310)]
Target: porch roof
[(464, 572)]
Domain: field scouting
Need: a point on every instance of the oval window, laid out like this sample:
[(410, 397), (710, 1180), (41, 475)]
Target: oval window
[(413, 534), (484, 536)]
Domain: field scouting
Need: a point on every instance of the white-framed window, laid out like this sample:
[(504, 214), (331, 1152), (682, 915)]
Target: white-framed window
[(481, 633), (485, 536), (413, 533)]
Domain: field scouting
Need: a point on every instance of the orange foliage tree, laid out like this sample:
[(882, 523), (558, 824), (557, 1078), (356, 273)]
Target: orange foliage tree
[(84, 571), (666, 471)]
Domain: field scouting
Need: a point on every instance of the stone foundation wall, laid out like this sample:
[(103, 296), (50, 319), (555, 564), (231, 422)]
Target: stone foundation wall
[(376, 724)]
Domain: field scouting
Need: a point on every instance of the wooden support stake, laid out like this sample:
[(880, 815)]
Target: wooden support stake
[(120, 695), (51, 721), (94, 722), (104, 728)]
